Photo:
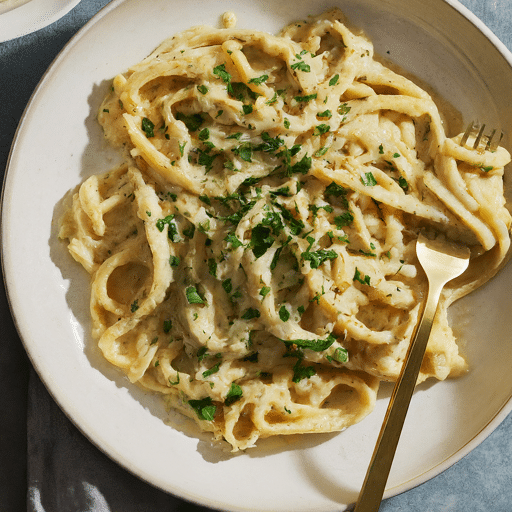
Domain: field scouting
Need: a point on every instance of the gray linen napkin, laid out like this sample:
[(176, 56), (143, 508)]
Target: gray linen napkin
[(67, 473)]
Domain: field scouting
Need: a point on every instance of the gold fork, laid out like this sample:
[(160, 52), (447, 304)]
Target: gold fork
[(475, 133), (442, 261)]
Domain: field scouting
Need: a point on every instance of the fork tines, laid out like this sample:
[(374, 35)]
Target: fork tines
[(488, 142)]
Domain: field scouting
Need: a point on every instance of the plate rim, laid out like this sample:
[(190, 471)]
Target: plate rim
[(477, 439), (27, 18)]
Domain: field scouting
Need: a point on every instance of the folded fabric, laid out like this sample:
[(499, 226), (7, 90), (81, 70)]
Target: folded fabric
[(67, 473)]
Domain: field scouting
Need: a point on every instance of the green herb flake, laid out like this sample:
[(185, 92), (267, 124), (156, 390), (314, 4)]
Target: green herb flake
[(334, 80), (204, 134), (261, 240), (340, 355), (301, 66), (227, 285), (368, 180), (202, 89), (316, 345), (251, 313), (344, 110), (247, 109), (258, 80), (212, 370), (264, 291), (321, 151), (192, 121), (234, 394), (316, 258), (221, 72), (307, 98), (212, 267), (321, 129), (325, 113), (148, 127), (302, 372), (361, 278), (284, 314), (345, 219), (174, 261), (193, 296), (232, 239), (205, 409)]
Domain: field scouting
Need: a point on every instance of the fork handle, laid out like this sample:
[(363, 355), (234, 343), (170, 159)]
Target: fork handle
[(376, 478)]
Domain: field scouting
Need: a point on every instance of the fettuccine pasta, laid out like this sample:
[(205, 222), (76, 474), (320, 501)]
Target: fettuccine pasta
[(253, 259)]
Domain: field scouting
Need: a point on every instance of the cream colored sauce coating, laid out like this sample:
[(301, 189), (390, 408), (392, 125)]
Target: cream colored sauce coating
[(253, 260)]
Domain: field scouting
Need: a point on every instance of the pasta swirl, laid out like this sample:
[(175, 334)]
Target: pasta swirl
[(253, 260)]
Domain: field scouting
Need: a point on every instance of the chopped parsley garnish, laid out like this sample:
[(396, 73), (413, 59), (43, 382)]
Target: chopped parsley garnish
[(284, 314), (205, 409), (345, 219), (325, 113), (334, 80), (361, 278), (264, 291), (227, 285), (232, 239), (321, 151), (315, 345), (302, 167), (301, 66), (167, 326), (302, 372), (212, 267), (172, 228), (174, 261), (202, 353), (193, 296), (202, 89), (402, 182), (340, 355), (204, 134), (250, 313), (134, 306), (148, 127), (258, 80), (344, 109), (261, 240), (368, 180), (244, 151), (316, 258), (192, 121), (321, 129), (221, 72), (212, 370), (235, 393), (307, 98)]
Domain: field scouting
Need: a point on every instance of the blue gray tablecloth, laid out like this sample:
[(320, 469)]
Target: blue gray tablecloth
[(47, 465)]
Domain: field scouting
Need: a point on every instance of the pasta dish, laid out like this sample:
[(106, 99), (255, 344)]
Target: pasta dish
[(253, 259)]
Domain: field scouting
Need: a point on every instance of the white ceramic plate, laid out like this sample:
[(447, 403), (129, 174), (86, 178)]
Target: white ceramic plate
[(59, 144), (21, 17)]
